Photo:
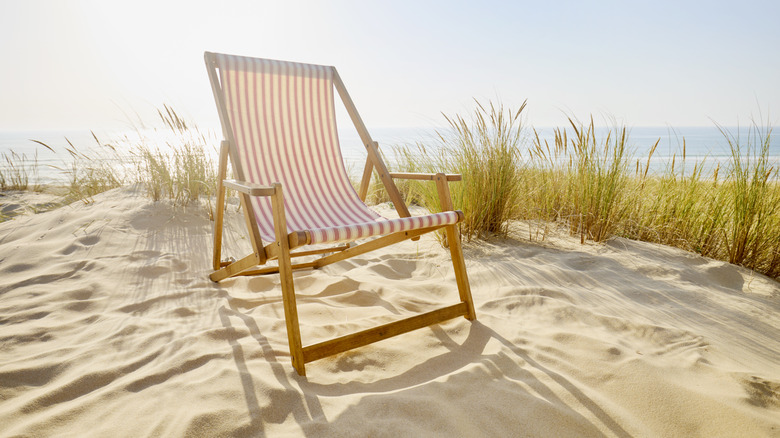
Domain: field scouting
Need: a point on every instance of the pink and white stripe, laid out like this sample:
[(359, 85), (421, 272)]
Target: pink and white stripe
[(284, 126)]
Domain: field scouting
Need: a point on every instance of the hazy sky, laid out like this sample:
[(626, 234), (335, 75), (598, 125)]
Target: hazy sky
[(96, 64)]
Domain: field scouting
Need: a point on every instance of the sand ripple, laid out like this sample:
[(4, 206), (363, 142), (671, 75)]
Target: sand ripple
[(110, 327)]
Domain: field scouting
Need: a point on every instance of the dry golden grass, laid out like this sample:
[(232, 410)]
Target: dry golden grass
[(581, 180), (587, 183), (485, 150)]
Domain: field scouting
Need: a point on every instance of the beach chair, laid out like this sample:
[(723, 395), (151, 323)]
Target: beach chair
[(279, 127)]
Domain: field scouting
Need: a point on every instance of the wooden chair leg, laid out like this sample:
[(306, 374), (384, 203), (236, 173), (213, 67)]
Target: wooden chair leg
[(365, 181), (461, 277), (288, 288), (220, 207), (456, 251)]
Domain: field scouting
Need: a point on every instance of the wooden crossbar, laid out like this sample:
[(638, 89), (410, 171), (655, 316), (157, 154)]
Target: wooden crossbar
[(372, 245), (424, 176), (319, 251), (369, 336), (273, 269)]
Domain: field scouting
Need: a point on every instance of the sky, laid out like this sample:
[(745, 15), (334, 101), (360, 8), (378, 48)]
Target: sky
[(107, 65)]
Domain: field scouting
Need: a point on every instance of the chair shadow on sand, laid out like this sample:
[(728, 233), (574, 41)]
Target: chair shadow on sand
[(304, 403)]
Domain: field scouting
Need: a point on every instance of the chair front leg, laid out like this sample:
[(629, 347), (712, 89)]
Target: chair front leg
[(445, 200), (285, 274), (452, 241)]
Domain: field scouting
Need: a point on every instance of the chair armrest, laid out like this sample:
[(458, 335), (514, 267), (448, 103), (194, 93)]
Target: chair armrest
[(423, 176), (441, 185), (250, 189)]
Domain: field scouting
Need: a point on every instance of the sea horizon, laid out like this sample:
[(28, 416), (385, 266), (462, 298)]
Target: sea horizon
[(703, 144)]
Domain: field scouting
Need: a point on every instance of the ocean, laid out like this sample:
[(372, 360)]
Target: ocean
[(702, 145)]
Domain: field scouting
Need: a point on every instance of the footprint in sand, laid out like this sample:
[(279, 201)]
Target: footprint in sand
[(762, 392), (79, 300), (394, 269), (80, 243)]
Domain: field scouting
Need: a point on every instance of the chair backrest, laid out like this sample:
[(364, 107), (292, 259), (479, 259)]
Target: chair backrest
[(281, 118)]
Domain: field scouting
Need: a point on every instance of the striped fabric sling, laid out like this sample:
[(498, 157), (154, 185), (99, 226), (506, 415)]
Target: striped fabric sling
[(284, 126)]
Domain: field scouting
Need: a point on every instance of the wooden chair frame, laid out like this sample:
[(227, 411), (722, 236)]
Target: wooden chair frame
[(281, 248)]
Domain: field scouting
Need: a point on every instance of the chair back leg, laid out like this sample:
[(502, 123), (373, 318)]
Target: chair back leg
[(365, 181), (219, 214)]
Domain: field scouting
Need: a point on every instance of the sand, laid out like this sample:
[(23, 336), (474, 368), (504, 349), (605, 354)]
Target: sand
[(109, 326)]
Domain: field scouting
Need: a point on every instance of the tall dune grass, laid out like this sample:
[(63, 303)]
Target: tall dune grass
[(16, 171), (731, 215), (185, 171), (485, 149), (93, 170), (676, 209), (587, 183), (182, 170), (582, 180), (585, 175), (752, 192)]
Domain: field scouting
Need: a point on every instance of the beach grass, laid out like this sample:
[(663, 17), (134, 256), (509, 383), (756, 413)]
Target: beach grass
[(17, 170), (588, 183), (484, 148), (93, 170), (731, 214), (585, 175), (181, 170), (186, 171)]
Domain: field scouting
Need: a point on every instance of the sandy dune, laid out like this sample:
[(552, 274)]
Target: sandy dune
[(109, 326)]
